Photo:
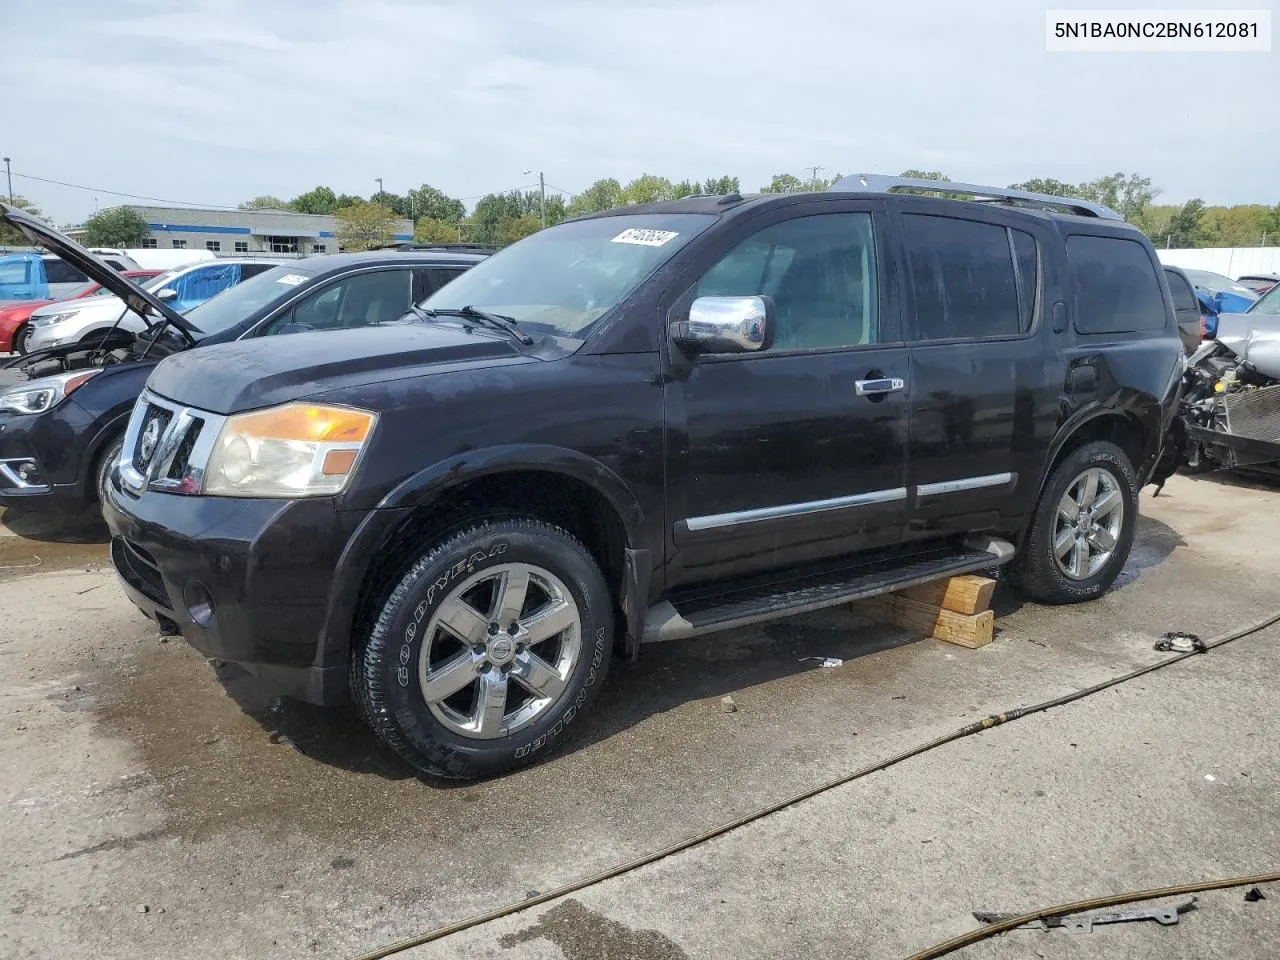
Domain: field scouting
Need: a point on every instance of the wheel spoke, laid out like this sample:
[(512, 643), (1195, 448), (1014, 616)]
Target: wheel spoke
[(1090, 491), (550, 620), (511, 594), (1103, 539), (463, 621), (1063, 542), (1068, 509), (1080, 560), (491, 703), (536, 675), (455, 674), (1106, 504)]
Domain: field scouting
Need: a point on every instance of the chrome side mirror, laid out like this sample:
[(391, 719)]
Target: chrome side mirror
[(727, 325), (167, 294)]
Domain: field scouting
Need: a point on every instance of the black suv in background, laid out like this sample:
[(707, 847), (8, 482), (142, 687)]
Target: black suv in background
[(63, 410), (652, 423)]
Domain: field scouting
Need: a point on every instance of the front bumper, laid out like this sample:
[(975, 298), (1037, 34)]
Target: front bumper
[(246, 580), (40, 457)]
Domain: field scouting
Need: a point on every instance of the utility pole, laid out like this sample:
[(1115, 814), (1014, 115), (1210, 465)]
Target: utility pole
[(542, 193), (813, 175), (378, 180), (8, 176)]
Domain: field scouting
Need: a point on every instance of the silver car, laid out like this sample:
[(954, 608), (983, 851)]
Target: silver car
[(74, 321)]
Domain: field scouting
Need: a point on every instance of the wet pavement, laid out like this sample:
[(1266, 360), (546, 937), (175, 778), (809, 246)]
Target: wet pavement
[(140, 775)]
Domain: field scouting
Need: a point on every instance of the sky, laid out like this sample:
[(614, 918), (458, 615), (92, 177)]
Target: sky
[(212, 102)]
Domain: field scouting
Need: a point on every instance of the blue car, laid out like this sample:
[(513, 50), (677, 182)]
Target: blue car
[(1221, 294)]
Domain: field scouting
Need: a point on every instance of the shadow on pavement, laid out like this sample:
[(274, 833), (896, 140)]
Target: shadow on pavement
[(56, 526)]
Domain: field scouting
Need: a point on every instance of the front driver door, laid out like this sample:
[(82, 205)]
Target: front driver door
[(781, 457)]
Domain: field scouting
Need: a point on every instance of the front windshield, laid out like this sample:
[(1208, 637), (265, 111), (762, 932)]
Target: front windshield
[(1268, 305), (561, 280), (235, 304), (1217, 283)]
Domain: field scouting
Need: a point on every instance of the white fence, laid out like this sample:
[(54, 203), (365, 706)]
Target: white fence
[(1233, 262)]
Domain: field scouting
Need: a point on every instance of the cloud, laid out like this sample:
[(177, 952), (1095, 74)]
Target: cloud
[(216, 101)]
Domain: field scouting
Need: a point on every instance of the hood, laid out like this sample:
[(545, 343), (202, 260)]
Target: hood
[(1253, 337), (139, 300), (264, 371)]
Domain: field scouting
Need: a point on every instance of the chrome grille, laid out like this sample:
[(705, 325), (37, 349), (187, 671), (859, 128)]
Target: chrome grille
[(155, 421), (167, 446)]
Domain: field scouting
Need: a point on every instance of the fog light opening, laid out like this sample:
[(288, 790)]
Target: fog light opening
[(199, 603)]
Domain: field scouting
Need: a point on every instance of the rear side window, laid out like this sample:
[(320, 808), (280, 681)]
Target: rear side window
[(59, 271), (1183, 298), (962, 273), (1116, 287)]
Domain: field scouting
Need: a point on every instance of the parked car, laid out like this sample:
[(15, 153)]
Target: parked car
[(1192, 309), (1259, 283), (61, 429), (651, 423), (36, 276), (13, 319), (1225, 294), (182, 289)]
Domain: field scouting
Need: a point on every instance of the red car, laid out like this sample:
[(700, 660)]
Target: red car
[(13, 318)]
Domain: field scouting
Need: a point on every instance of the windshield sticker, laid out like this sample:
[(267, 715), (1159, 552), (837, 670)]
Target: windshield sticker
[(646, 238), (292, 279)]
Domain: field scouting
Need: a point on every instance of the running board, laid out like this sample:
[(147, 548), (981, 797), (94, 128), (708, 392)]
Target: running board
[(663, 621)]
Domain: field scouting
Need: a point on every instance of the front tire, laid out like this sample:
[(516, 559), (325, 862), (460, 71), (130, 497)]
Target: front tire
[(488, 648), (21, 338), (1083, 528), (102, 472)]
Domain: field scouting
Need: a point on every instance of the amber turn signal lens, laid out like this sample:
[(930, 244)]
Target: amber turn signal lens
[(338, 463), (307, 422)]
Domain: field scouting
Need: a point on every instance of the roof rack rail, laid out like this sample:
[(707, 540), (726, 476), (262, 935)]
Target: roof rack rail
[(406, 247), (879, 183)]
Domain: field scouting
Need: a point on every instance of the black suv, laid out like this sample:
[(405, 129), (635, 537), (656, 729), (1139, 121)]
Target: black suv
[(652, 423), (63, 410)]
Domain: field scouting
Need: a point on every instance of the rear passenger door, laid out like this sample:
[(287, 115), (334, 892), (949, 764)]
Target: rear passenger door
[(983, 381)]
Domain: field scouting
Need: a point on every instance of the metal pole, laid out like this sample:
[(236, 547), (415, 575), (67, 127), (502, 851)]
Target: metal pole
[(8, 176), (542, 189), (813, 175), (380, 190)]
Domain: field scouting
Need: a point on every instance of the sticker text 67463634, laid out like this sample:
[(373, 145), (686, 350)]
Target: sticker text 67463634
[(646, 238)]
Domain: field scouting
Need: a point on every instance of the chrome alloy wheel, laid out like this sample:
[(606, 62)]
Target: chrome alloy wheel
[(1090, 518), (499, 650)]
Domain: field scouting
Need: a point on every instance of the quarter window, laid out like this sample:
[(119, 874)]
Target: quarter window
[(962, 275), (1116, 287), (819, 270)]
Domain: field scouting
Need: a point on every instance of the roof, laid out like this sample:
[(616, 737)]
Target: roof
[(337, 262)]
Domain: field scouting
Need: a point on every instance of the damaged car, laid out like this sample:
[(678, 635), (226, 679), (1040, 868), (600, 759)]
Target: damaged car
[(1229, 416), (63, 409)]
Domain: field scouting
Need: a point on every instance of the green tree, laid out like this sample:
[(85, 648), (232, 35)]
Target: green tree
[(1184, 226), (319, 200), (1271, 228), (365, 226), (720, 186), (348, 200), (924, 175), (426, 201), (265, 202), (602, 195), (394, 202), (1054, 188), (685, 188), (1126, 193), (12, 237), (431, 230), (646, 188), (516, 228), (783, 183), (116, 227)]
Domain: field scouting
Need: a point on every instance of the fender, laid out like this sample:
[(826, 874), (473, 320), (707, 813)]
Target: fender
[(101, 437), (427, 484)]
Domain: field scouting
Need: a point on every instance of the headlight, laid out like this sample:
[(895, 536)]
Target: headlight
[(50, 321), (37, 396), (295, 450)]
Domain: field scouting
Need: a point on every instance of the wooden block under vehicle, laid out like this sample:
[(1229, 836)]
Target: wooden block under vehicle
[(963, 629), (964, 594)]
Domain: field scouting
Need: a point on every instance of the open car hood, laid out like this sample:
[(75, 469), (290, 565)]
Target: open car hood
[(139, 301)]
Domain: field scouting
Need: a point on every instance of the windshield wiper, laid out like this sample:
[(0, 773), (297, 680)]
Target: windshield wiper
[(495, 320)]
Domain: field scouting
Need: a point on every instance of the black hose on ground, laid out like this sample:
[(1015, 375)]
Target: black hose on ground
[(978, 726)]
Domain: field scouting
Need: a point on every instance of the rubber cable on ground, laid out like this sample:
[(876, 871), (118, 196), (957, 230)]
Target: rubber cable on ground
[(1065, 909), (977, 726)]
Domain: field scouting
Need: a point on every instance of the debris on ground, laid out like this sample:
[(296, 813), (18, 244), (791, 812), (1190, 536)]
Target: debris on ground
[(825, 661), (1179, 642), (727, 705), (1253, 895)]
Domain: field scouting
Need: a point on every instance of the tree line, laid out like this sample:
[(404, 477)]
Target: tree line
[(503, 218)]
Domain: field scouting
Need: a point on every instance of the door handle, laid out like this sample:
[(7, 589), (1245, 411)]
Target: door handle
[(875, 388)]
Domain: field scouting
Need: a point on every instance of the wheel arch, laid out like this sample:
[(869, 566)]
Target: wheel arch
[(554, 484)]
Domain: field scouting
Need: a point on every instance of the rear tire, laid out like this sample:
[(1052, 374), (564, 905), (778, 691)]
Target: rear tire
[(1083, 528), (488, 648)]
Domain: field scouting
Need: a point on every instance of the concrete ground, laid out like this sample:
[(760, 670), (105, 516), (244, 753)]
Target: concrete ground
[(154, 805)]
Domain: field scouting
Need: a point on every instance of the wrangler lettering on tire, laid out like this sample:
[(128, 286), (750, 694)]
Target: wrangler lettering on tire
[(487, 649)]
